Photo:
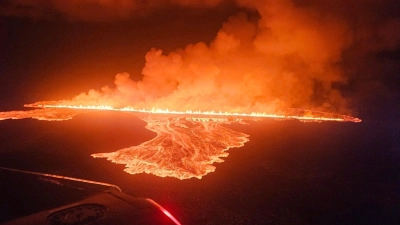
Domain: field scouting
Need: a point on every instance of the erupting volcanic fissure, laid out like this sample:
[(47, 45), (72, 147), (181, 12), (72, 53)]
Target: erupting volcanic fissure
[(187, 143), (275, 63)]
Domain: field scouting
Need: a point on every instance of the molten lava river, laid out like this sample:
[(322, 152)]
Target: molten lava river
[(183, 147), (187, 143)]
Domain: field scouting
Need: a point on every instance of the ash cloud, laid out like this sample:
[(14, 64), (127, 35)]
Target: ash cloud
[(294, 53)]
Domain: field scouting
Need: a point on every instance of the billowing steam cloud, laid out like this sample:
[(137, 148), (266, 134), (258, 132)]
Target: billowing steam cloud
[(291, 55)]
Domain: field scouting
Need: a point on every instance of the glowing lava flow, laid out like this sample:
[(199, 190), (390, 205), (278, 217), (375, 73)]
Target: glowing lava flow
[(187, 143), (49, 114), (183, 148)]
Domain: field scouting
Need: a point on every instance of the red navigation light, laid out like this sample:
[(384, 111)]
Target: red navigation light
[(164, 211)]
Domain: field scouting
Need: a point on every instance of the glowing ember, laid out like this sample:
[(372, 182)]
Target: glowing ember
[(187, 143)]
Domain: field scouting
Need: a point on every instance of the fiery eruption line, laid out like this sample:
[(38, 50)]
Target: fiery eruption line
[(329, 117)]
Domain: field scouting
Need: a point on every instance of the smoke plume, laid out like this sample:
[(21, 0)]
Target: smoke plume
[(292, 54)]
